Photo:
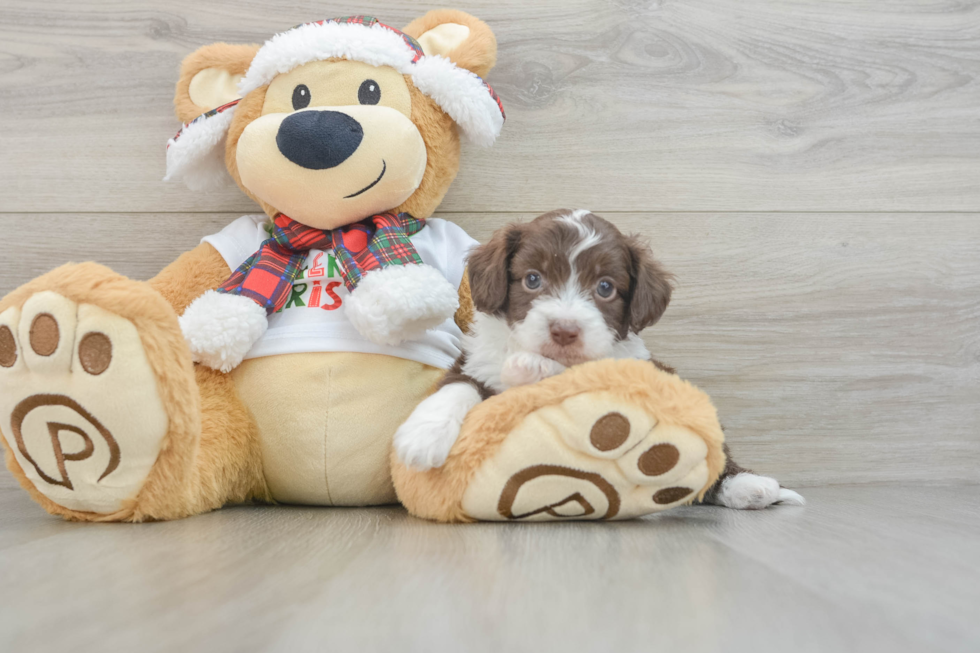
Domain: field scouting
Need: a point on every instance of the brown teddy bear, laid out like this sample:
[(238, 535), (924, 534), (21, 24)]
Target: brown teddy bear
[(275, 361)]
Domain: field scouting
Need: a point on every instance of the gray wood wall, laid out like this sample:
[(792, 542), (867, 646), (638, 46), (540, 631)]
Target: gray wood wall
[(810, 170)]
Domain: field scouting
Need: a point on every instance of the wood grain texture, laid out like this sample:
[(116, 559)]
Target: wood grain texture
[(708, 105), (839, 348), (873, 568)]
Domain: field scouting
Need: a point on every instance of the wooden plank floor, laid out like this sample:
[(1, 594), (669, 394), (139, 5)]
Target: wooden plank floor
[(860, 568)]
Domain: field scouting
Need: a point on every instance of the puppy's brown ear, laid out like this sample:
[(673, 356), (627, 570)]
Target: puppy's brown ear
[(461, 38), (209, 78), (650, 287), (489, 270)]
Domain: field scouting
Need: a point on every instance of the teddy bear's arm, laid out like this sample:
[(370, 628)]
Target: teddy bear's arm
[(193, 273), (464, 314)]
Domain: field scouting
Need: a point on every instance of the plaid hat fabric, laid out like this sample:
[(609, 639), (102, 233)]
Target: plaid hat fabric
[(465, 97)]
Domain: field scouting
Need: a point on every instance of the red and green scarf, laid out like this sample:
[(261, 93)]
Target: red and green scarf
[(376, 242)]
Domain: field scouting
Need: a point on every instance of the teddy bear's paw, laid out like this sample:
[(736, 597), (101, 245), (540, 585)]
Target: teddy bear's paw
[(79, 404), (401, 302), (593, 456), (220, 329)]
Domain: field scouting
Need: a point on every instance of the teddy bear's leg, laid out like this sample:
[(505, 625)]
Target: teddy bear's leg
[(100, 411), (605, 440)]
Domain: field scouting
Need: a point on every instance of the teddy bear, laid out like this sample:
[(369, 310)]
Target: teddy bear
[(275, 361)]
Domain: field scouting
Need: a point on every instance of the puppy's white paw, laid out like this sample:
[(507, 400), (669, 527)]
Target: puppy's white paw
[(524, 368), (747, 491), (428, 435), (423, 444)]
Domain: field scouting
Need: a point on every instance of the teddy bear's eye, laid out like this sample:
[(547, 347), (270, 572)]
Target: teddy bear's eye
[(301, 97), (369, 93)]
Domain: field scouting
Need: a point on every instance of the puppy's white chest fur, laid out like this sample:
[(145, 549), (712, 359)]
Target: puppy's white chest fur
[(486, 346)]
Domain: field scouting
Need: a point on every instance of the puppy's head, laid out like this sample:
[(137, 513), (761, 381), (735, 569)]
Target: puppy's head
[(569, 284)]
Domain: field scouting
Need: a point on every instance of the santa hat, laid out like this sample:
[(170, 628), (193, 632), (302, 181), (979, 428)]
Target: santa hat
[(195, 154)]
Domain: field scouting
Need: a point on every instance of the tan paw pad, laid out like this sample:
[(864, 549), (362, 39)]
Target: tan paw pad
[(79, 406), (593, 456)]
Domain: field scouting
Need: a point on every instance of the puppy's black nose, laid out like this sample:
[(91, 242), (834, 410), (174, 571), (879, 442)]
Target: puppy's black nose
[(564, 333), (319, 139)]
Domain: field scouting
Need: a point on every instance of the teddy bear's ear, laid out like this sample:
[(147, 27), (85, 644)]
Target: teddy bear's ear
[(463, 39), (209, 78)]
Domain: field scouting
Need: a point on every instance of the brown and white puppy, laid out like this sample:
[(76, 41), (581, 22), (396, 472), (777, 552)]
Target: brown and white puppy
[(564, 289)]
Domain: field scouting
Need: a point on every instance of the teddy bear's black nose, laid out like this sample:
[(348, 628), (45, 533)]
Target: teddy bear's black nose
[(319, 139)]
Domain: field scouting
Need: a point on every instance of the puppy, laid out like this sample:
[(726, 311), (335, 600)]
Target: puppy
[(564, 289)]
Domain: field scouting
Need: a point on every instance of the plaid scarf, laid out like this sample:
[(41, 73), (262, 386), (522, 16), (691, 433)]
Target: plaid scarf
[(268, 274)]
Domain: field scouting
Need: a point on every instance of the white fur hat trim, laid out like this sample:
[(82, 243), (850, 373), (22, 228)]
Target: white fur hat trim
[(196, 154), (466, 98)]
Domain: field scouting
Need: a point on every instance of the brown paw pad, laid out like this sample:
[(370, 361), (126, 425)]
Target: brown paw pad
[(95, 353), (44, 334), (658, 459), (671, 495), (609, 432), (8, 347)]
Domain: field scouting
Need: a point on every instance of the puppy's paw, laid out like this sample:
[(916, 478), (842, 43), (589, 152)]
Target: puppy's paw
[(524, 368), (790, 498), (423, 445), (747, 491), (428, 435)]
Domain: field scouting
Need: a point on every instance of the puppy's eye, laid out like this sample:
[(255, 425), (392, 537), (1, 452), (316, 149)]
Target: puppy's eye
[(369, 93), (301, 97), (532, 280), (605, 289)]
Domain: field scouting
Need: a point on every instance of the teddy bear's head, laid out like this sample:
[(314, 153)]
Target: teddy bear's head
[(334, 121)]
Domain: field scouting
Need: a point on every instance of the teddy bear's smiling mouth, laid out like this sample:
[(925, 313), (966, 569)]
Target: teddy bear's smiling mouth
[(384, 168)]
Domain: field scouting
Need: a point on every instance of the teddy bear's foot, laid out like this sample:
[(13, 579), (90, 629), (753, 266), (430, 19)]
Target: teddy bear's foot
[(81, 410), (606, 440), (606, 459), (80, 402)]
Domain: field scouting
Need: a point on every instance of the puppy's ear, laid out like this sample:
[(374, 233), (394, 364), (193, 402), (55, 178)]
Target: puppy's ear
[(209, 78), (650, 287), (461, 38), (489, 270)]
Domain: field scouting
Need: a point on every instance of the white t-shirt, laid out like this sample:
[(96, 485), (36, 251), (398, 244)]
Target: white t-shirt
[(313, 318)]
